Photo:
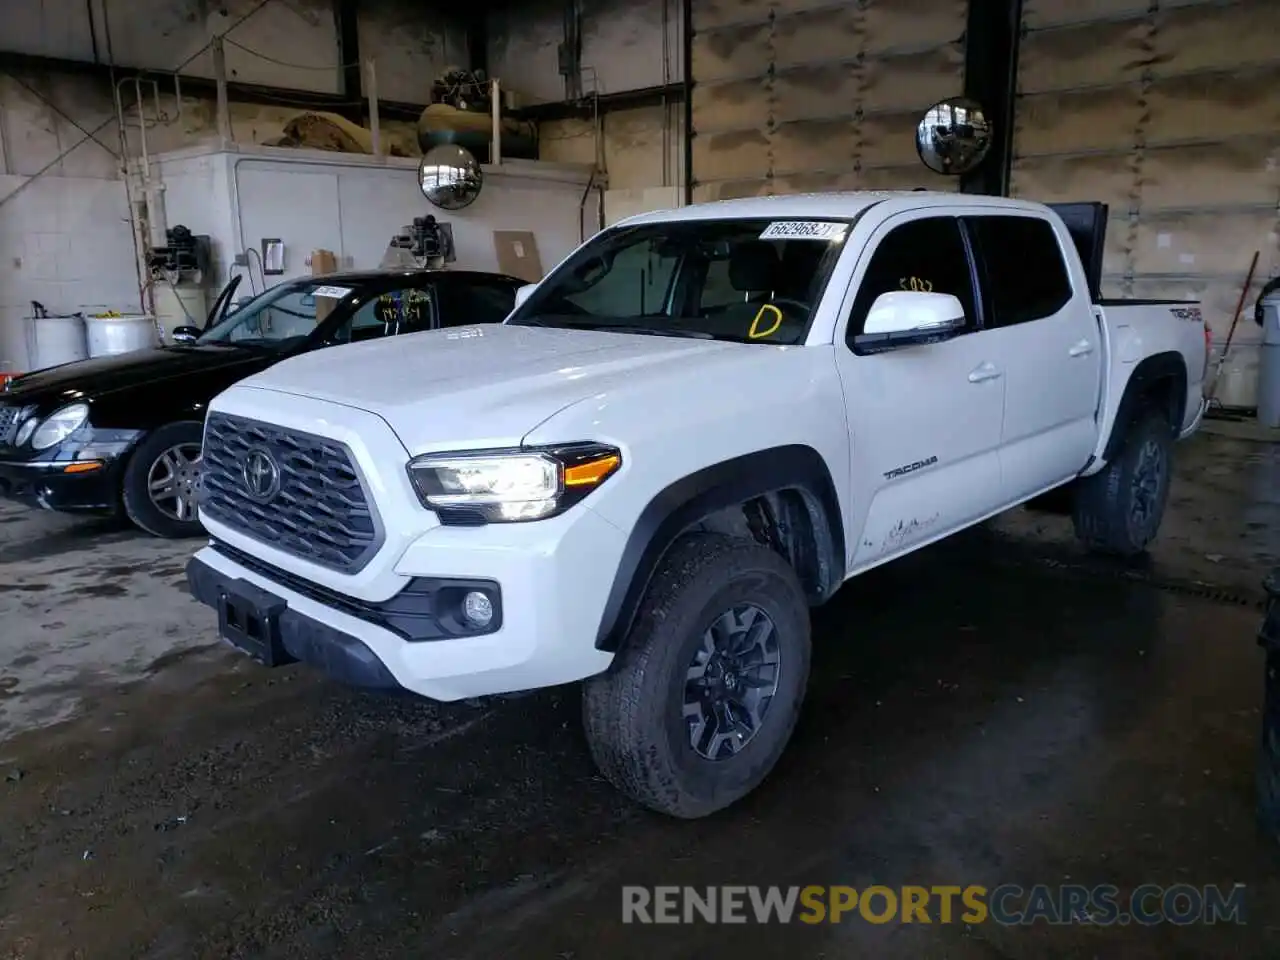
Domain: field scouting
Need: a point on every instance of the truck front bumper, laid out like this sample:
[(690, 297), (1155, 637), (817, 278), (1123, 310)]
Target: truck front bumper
[(549, 581)]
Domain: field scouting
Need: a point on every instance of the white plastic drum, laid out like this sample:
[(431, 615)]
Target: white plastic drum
[(109, 336), (54, 340), (179, 306), (1237, 376)]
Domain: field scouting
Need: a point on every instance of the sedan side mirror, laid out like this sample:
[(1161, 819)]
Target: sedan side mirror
[(186, 334), (522, 293), (907, 318)]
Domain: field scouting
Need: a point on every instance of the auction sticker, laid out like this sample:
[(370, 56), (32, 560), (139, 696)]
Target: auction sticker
[(333, 293), (804, 230)]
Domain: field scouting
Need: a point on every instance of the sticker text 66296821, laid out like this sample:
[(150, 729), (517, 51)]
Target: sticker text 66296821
[(804, 230), (331, 293)]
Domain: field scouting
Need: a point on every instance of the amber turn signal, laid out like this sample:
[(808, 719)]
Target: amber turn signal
[(83, 466), (592, 472)]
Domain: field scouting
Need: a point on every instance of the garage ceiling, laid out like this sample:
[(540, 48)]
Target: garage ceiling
[(1171, 116), (799, 95)]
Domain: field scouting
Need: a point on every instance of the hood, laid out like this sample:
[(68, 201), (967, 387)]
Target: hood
[(486, 385), (90, 379)]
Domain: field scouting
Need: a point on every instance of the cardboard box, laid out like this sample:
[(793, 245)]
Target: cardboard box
[(518, 254), (324, 262)]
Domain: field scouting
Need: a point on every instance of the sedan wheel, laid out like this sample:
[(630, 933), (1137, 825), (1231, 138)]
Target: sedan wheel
[(161, 481), (172, 479)]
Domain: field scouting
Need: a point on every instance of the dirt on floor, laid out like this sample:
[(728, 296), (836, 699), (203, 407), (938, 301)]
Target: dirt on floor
[(998, 709)]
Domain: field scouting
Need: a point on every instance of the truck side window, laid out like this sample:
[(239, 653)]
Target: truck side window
[(634, 284), (924, 255), (1020, 259)]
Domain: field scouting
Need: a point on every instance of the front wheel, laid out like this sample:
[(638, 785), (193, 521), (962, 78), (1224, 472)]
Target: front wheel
[(700, 702), (1119, 509), (160, 481)]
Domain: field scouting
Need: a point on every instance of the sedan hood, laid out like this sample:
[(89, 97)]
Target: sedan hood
[(90, 379), (482, 386)]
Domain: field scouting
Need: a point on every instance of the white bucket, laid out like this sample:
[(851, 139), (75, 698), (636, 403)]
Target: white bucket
[(55, 340), (109, 336), (1236, 383)]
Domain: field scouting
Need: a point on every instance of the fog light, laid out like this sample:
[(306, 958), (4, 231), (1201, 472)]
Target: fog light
[(477, 608)]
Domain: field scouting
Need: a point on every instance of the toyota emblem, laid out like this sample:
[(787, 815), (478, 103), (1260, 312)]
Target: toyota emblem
[(261, 475)]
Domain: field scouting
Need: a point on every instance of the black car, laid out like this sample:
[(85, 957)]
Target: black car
[(124, 432)]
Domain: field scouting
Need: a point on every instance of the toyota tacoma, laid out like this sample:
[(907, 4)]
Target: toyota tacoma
[(695, 428)]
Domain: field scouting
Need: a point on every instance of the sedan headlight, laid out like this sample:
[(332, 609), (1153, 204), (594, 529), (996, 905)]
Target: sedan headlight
[(59, 425), (510, 486), (25, 431)]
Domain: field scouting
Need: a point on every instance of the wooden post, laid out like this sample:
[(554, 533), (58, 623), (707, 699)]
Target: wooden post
[(375, 128), (495, 94), (220, 79)]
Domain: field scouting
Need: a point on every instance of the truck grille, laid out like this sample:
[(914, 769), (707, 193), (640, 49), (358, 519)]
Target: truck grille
[(294, 491), (11, 418)]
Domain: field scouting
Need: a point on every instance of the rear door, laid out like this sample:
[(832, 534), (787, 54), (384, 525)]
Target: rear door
[(1047, 342), (924, 419)]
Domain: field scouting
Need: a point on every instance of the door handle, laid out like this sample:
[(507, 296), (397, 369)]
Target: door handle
[(1083, 348), (983, 372)]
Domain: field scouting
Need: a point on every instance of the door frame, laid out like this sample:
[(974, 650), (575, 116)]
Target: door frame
[(859, 502)]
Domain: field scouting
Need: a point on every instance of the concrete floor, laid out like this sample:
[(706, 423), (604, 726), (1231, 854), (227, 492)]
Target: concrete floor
[(997, 709)]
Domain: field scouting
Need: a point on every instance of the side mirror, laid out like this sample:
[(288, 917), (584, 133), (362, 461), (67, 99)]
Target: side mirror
[(522, 293), (906, 318), (186, 334)]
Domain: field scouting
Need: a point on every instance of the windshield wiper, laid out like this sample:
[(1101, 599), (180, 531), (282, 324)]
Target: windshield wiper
[(657, 331), (255, 344), (616, 328)]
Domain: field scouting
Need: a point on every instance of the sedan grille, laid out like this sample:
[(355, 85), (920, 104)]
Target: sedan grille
[(11, 419), (291, 490)]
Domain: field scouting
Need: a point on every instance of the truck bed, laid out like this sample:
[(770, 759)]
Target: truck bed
[(1154, 334)]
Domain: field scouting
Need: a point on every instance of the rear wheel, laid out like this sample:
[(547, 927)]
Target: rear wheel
[(703, 697), (160, 481), (1119, 509)]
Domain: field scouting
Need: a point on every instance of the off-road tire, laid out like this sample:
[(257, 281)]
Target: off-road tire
[(1106, 512), (137, 499), (633, 712)]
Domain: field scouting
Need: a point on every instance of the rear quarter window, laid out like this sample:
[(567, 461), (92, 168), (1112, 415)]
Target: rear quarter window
[(1024, 274), (475, 301)]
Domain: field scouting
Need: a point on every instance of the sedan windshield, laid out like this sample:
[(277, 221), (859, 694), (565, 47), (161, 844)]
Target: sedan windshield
[(750, 281), (283, 317)]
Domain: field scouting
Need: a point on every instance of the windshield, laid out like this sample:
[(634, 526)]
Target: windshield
[(750, 281), (283, 317)]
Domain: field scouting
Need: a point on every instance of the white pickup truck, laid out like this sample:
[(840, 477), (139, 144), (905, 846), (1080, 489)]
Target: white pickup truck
[(699, 425)]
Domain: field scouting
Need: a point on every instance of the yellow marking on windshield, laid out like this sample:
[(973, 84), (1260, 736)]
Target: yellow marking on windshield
[(756, 334)]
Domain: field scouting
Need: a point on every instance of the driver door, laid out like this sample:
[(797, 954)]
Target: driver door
[(925, 419)]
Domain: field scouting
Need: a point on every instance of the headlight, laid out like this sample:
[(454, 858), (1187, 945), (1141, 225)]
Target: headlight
[(511, 486), (60, 425), (25, 431)]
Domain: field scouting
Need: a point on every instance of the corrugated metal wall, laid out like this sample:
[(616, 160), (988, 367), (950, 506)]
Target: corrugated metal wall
[(1170, 112), (801, 95)]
